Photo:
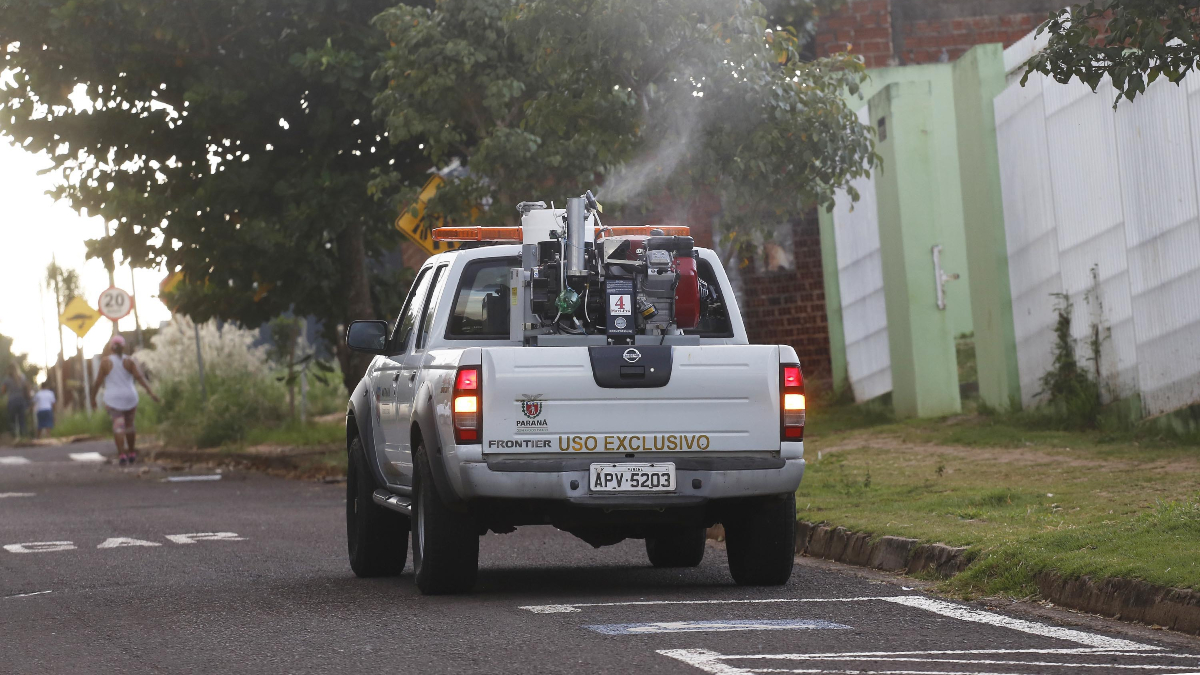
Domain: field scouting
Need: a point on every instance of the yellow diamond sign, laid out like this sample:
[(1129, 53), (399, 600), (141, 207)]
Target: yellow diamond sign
[(416, 228), (79, 316)]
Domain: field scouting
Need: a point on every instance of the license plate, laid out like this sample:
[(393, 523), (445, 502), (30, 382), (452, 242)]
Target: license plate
[(633, 477)]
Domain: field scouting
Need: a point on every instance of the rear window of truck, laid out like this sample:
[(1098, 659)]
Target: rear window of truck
[(481, 303)]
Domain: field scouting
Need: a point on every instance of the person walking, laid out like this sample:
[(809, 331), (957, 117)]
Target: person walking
[(18, 399), (118, 373), (44, 402)]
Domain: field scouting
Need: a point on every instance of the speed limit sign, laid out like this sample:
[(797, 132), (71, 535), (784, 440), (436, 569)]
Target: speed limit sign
[(115, 303)]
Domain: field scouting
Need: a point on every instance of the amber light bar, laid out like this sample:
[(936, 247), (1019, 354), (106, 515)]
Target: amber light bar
[(477, 234)]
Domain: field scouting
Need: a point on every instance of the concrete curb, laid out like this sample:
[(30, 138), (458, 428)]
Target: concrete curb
[(1128, 599), (285, 462), (891, 554)]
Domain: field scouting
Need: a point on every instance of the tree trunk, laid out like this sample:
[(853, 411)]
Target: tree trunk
[(352, 261), (291, 377)]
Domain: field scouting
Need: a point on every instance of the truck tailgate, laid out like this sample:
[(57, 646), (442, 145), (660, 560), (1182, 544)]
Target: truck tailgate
[(722, 398)]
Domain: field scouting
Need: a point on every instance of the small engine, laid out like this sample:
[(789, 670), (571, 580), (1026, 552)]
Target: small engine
[(611, 285)]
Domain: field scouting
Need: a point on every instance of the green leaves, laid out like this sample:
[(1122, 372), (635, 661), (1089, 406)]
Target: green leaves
[(1133, 42), (231, 139), (702, 100)]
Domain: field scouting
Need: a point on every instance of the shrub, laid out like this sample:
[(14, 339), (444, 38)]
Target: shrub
[(235, 403), (227, 350), (1072, 396)]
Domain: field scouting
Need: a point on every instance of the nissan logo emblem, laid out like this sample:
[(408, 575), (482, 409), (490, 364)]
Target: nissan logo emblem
[(631, 355)]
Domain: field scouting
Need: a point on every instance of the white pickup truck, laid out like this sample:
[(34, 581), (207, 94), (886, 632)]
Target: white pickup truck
[(493, 403)]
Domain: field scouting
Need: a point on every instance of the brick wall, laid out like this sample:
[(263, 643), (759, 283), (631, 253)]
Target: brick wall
[(788, 306), (903, 32), (863, 27)]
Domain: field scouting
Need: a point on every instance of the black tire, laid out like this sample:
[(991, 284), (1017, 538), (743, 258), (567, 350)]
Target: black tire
[(445, 542), (678, 547), (761, 541), (376, 538)]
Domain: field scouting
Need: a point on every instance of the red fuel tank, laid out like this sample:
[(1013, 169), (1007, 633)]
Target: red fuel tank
[(687, 293)]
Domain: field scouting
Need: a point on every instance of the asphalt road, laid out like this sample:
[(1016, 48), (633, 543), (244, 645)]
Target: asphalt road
[(109, 570)]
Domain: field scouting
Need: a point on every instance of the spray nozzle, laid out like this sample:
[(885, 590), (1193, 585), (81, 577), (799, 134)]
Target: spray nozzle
[(592, 204)]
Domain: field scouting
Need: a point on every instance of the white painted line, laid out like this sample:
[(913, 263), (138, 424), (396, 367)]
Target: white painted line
[(857, 656), (705, 660), (204, 536), (576, 607), (5, 495), (714, 626), (886, 672), (121, 542), (990, 662), (992, 619), (39, 547), (27, 595), (189, 479), (714, 662), (86, 457), (13, 460)]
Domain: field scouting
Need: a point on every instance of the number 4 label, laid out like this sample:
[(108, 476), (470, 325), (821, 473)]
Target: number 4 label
[(619, 305)]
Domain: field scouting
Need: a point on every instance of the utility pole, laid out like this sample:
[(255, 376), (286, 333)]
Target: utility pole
[(58, 367), (87, 385), (45, 338), (137, 323), (200, 362), (111, 264)]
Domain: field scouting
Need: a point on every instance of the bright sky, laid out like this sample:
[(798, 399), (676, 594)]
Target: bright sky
[(33, 227)]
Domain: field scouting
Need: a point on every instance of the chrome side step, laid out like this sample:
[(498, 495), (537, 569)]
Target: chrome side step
[(394, 502)]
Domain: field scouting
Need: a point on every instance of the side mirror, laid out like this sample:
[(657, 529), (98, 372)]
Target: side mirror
[(368, 336)]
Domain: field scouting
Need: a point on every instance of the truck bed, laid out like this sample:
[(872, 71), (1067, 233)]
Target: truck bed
[(616, 401)]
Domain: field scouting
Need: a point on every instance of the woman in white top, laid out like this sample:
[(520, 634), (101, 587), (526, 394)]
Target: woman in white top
[(118, 374)]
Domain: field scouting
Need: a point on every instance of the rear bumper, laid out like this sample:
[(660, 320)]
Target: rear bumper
[(697, 484)]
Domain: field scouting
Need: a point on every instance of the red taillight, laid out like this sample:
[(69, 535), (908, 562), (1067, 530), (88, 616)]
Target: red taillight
[(791, 403), (468, 379), (792, 377), (467, 408)]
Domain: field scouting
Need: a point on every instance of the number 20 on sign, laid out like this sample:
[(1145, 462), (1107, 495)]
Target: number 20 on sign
[(115, 303)]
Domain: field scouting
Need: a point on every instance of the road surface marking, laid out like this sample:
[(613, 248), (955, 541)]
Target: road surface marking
[(120, 542), (855, 656), (4, 495), (576, 607), (39, 547), (188, 479), (713, 662), (714, 626), (989, 662), (27, 595), (86, 457), (706, 660), (13, 460), (963, 613), (884, 663), (204, 536)]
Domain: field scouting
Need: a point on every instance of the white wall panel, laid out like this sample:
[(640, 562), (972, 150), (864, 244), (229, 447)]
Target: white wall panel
[(1082, 150), (1030, 228), (1103, 206), (860, 280)]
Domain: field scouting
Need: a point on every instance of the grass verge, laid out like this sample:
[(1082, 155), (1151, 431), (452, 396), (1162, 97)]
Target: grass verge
[(1025, 500)]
